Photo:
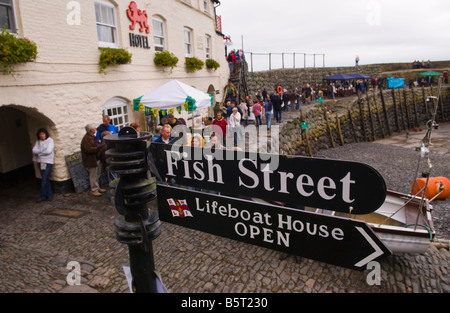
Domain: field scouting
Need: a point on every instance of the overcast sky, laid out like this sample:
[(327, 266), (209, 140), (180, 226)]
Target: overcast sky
[(378, 31)]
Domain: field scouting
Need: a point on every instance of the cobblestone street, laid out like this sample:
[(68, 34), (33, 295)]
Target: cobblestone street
[(38, 240)]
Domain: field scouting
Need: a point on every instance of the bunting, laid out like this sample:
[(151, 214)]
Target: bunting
[(189, 106)]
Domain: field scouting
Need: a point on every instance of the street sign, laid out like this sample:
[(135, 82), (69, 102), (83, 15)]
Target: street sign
[(304, 125), (334, 185), (335, 240)]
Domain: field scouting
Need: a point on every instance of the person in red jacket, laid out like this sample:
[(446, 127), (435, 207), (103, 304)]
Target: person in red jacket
[(222, 123)]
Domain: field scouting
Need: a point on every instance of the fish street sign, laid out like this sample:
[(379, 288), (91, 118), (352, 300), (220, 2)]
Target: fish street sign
[(335, 240), (334, 185)]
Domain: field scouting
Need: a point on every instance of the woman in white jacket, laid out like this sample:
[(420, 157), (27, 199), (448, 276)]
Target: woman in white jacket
[(235, 125), (43, 153)]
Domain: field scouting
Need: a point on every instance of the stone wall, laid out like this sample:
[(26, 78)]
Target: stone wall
[(296, 78), (370, 116)]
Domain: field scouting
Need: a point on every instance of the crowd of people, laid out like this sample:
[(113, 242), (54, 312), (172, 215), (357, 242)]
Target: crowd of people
[(423, 64), (230, 117), (234, 56)]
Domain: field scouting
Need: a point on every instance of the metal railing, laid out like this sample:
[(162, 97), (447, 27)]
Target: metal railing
[(288, 60)]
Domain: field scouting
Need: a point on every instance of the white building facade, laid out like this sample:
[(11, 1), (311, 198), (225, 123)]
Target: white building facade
[(62, 90)]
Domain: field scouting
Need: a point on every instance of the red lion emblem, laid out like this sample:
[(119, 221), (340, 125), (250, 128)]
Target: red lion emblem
[(137, 16)]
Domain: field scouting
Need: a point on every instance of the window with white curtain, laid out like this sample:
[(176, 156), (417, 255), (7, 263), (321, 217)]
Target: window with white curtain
[(7, 19), (188, 42), (105, 15), (208, 46), (206, 6), (159, 34)]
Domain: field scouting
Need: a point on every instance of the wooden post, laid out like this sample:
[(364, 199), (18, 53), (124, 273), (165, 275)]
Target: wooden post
[(305, 136), (407, 108), (353, 125), (270, 61), (402, 116), (370, 116), (383, 103), (339, 128), (397, 123), (441, 102), (416, 116), (378, 113), (425, 101), (329, 128), (361, 112)]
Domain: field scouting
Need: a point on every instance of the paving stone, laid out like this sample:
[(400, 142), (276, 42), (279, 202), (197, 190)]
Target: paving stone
[(33, 257)]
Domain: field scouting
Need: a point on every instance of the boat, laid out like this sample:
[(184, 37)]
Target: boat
[(403, 222)]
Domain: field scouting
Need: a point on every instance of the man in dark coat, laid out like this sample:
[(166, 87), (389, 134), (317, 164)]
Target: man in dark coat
[(89, 149), (276, 102)]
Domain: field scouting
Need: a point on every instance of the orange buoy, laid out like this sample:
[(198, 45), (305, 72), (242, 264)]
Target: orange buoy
[(279, 89), (436, 185)]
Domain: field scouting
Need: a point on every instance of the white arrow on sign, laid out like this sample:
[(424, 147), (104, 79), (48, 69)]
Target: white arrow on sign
[(372, 256)]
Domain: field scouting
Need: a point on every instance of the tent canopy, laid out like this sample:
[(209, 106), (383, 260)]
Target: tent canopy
[(175, 94), (395, 82), (430, 73), (341, 76), (360, 76)]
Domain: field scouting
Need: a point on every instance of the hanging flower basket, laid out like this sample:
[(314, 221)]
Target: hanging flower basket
[(212, 64), (15, 50), (109, 56), (165, 59), (193, 64)]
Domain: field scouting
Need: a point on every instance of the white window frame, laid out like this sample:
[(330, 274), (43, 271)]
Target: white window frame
[(208, 46), (159, 47), (11, 16), (117, 110), (106, 44), (188, 42), (206, 6)]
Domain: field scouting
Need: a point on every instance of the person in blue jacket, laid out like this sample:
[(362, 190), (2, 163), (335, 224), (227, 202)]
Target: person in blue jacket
[(106, 126)]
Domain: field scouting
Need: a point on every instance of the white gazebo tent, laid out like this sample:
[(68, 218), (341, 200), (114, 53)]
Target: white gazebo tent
[(176, 95)]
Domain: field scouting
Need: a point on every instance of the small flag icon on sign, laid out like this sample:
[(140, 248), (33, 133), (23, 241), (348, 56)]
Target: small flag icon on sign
[(179, 208)]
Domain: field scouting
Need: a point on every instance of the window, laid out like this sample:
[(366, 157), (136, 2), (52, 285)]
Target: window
[(105, 15), (206, 6), (7, 19), (208, 46), (158, 37), (117, 110), (188, 42)]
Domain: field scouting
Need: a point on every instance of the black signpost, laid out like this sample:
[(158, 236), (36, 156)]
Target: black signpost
[(340, 241), (335, 185)]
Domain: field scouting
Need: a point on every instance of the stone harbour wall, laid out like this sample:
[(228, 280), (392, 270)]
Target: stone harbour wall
[(297, 78), (370, 116)]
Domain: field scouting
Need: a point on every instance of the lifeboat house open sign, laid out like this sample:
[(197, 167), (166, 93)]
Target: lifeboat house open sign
[(297, 181)]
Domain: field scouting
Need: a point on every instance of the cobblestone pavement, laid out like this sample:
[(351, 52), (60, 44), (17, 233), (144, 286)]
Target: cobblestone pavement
[(38, 240)]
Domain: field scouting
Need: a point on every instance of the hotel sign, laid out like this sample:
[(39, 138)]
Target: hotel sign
[(137, 16)]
